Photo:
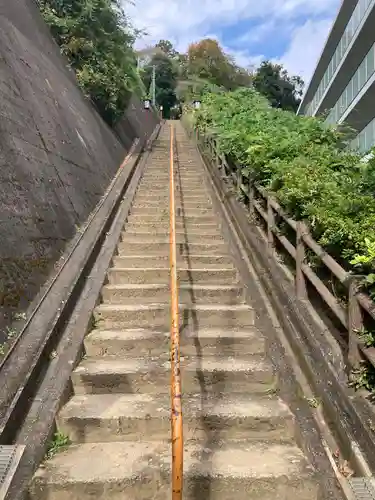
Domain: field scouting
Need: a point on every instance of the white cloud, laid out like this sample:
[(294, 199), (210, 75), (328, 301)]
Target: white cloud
[(305, 48), (186, 21), (256, 33)]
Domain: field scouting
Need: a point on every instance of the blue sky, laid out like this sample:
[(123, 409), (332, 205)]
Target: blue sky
[(292, 32)]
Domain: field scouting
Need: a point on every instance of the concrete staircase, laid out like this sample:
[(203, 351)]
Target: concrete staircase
[(239, 436)]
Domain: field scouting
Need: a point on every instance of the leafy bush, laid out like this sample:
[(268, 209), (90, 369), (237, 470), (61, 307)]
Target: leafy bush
[(300, 160), (97, 39)]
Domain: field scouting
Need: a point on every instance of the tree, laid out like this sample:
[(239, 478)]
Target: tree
[(168, 49), (97, 39), (165, 81), (282, 91), (206, 60)]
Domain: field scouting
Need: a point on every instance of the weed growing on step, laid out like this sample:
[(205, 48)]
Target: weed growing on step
[(59, 443), (367, 337), (363, 378), (10, 332), (94, 323), (20, 316), (272, 391), (371, 425), (313, 402)]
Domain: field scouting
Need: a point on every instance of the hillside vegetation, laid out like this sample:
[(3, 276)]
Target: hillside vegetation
[(300, 161), (97, 38), (183, 77)]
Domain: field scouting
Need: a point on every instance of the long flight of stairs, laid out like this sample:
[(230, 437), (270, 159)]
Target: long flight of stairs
[(239, 437)]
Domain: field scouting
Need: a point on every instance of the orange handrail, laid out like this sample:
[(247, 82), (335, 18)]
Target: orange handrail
[(176, 395)]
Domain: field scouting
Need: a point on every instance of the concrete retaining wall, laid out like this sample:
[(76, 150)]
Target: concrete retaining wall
[(57, 156)]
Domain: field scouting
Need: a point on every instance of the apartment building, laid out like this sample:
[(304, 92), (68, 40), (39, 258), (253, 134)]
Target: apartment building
[(343, 84)]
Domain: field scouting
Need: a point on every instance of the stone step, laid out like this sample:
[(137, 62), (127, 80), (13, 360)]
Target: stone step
[(163, 179), (164, 211), (146, 293), (183, 185), (160, 204), (136, 470), (162, 170), (158, 276), (107, 375), (161, 223), (191, 232), (109, 316), (161, 246), (122, 417), (181, 237), (191, 261), (163, 218), (186, 196), (122, 276), (147, 342)]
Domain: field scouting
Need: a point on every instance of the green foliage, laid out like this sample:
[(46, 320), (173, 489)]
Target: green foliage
[(300, 161), (363, 378), (367, 337), (97, 39), (60, 442), (207, 60), (364, 264), (168, 49), (165, 81), (194, 88), (281, 90)]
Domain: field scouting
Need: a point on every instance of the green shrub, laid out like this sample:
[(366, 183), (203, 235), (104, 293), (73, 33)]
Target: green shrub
[(302, 162)]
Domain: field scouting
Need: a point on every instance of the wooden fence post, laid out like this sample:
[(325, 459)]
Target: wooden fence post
[(250, 196), (270, 225), (301, 289), (217, 155), (212, 159), (239, 180), (355, 324)]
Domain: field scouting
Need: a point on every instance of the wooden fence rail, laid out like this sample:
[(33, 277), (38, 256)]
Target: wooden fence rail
[(259, 202)]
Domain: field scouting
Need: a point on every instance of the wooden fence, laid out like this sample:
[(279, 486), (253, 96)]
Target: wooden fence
[(259, 202)]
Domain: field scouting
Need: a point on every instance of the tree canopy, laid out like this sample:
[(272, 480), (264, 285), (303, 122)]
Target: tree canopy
[(206, 67), (97, 38), (281, 89), (168, 49), (165, 81), (207, 60)]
